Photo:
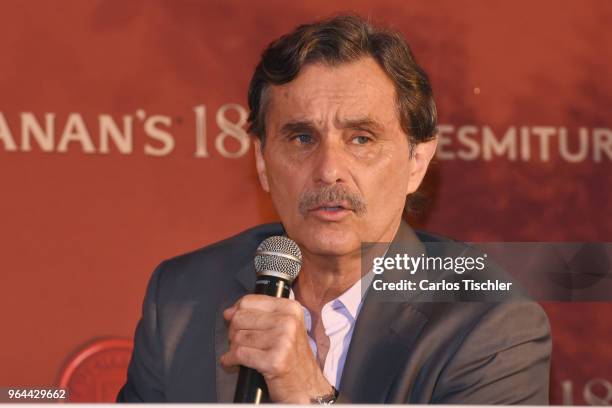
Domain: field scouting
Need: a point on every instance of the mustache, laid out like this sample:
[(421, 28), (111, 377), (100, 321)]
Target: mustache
[(334, 193)]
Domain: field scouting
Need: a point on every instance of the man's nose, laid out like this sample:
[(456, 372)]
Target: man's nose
[(331, 163)]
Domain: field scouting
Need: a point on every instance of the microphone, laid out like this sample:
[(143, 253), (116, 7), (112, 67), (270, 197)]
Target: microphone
[(278, 260)]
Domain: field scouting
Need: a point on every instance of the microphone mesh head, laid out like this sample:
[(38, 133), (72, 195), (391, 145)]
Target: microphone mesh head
[(278, 255)]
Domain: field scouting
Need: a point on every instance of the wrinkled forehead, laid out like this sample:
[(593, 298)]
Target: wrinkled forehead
[(327, 95)]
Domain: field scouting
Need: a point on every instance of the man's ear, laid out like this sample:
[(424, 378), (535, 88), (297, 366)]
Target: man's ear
[(260, 164), (422, 153)]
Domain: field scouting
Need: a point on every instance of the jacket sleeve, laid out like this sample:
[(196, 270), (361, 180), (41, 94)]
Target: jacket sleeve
[(145, 372), (505, 359)]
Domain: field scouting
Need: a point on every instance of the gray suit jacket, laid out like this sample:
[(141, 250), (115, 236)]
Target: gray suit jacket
[(401, 352)]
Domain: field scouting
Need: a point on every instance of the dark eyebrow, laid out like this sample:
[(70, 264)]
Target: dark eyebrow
[(297, 127), (366, 123)]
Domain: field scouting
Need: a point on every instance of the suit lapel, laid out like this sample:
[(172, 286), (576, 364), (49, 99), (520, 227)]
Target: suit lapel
[(381, 344), (382, 341)]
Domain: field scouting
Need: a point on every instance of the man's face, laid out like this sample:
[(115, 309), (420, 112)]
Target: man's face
[(336, 161)]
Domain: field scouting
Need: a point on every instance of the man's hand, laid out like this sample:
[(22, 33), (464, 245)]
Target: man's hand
[(269, 335)]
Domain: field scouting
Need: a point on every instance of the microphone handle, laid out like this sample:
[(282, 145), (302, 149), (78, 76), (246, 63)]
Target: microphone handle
[(251, 387)]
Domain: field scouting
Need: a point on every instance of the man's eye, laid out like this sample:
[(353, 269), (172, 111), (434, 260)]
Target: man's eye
[(360, 140), (303, 138)]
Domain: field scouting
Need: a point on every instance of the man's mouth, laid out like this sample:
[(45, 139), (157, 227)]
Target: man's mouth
[(336, 208), (332, 207), (331, 212)]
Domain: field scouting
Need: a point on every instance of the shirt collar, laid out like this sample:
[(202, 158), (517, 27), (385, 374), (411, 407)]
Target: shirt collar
[(351, 299)]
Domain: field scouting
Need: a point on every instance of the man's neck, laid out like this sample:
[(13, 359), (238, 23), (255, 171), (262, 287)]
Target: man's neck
[(323, 279)]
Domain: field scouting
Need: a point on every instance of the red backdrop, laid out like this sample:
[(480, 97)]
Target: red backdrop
[(121, 144)]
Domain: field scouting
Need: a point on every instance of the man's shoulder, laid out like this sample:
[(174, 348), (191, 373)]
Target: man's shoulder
[(216, 263), (473, 306), (426, 236), (234, 247)]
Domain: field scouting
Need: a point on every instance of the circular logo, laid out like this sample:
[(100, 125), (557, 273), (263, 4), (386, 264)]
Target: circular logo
[(98, 371)]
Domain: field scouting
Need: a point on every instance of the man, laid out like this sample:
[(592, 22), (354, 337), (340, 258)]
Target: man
[(345, 124)]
